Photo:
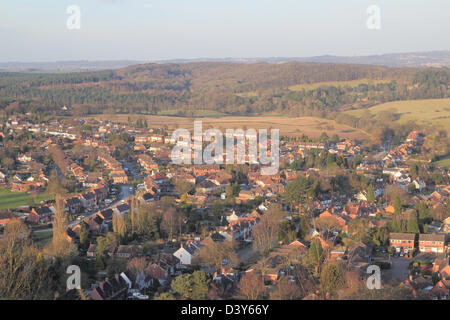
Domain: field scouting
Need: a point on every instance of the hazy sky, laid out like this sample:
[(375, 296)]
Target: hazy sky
[(36, 30)]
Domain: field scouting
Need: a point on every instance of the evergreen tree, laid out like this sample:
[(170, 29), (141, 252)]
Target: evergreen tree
[(315, 254), (397, 206), (370, 194)]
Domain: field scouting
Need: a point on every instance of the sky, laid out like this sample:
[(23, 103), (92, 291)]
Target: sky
[(34, 31)]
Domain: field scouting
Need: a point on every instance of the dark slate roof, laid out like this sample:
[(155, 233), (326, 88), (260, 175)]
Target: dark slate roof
[(73, 201), (217, 237), (107, 213), (123, 207), (89, 195), (71, 233), (43, 210), (147, 196), (98, 220)]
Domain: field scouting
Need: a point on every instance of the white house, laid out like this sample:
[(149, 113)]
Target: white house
[(186, 252), (232, 217), (419, 184)]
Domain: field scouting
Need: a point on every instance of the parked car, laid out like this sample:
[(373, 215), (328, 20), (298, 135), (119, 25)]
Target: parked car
[(140, 296)]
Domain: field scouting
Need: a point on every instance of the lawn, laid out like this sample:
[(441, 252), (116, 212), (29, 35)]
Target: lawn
[(444, 163), (12, 200), (42, 238), (431, 112)]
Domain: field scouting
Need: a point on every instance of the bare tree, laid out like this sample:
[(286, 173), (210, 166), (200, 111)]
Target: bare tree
[(24, 273), (286, 289), (251, 287), (265, 232), (214, 253), (61, 245), (171, 223)]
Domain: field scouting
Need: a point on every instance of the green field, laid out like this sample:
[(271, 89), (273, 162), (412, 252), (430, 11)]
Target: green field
[(42, 238), (444, 163), (11, 200), (431, 112), (350, 83)]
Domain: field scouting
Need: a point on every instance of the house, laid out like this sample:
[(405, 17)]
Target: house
[(402, 241), (147, 163), (207, 187), (101, 193), (298, 244), (106, 214), (186, 252), (159, 178), (126, 252), (91, 251), (73, 205), (419, 184), (442, 289), (122, 209), (232, 217), (40, 215), (95, 224), (2, 176), (148, 197), (89, 200), (111, 289), (119, 176), (5, 218), (205, 169), (432, 243)]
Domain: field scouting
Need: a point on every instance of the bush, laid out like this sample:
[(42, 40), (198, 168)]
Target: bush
[(383, 265)]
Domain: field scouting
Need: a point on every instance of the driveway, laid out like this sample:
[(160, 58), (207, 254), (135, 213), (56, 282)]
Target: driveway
[(399, 268)]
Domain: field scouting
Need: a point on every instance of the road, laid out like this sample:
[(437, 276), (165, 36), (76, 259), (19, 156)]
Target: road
[(124, 194), (245, 253)]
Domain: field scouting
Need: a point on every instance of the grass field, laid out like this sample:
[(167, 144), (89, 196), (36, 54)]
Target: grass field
[(432, 112), (444, 163), (310, 126), (42, 238), (351, 83), (11, 200)]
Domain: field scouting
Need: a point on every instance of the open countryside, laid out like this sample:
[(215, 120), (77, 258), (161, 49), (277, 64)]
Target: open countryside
[(432, 112), (293, 127)]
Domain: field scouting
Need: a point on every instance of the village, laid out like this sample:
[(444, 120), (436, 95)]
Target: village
[(141, 224)]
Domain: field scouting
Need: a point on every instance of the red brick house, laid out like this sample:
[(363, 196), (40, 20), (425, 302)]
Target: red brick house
[(432, 243), (402, 241)]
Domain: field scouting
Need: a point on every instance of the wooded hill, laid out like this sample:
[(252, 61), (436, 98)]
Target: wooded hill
[(231, 88)]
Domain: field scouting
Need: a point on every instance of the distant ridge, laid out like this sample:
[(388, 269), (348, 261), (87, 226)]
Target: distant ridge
[(411, 59)]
